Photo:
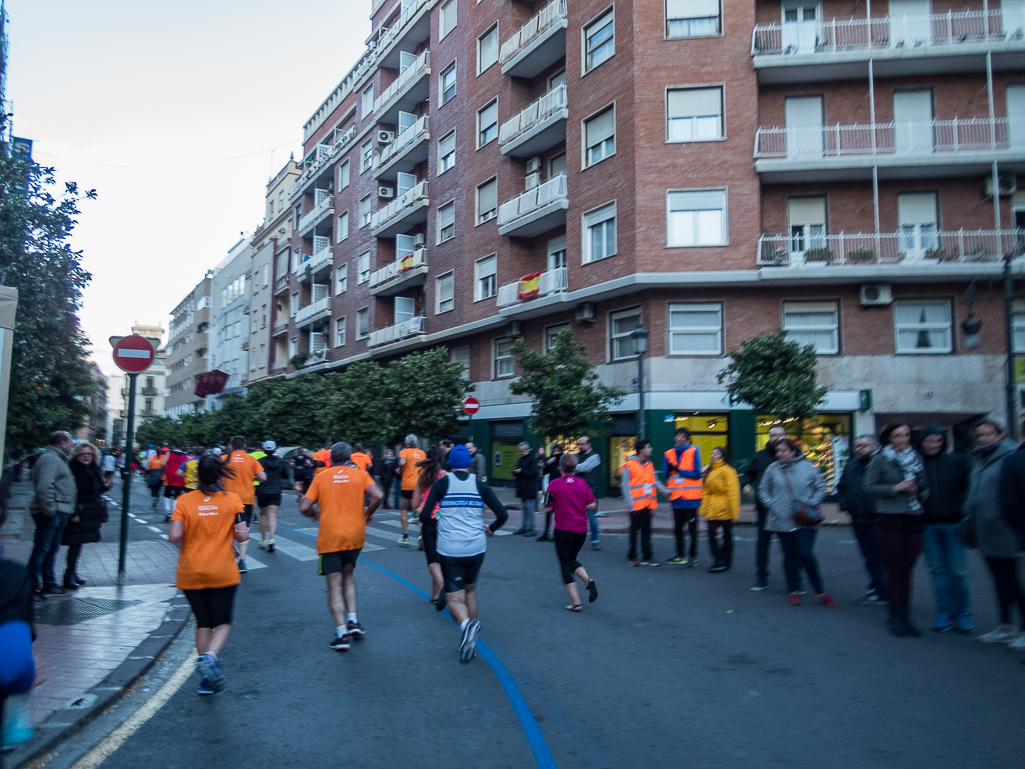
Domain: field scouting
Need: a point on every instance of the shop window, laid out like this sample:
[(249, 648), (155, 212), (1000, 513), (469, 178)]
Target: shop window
[(825, 439)]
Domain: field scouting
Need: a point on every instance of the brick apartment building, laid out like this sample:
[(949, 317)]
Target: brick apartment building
[(709, 170), (188, 348)]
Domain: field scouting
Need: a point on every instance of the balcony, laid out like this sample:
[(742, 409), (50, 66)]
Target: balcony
[(318, 163), (956, 41), (317, 356), (308, 223), (524, 289), (538, 44), (900, 150), (537, 128), (535, 211), (406, 271), (149, 390), (412, 86), (407, 210), (316, 264), (279, 365), (314, 312), (415, 326), (915, 245), (409, 149), (280, 282), (280, 326), (412, 27)]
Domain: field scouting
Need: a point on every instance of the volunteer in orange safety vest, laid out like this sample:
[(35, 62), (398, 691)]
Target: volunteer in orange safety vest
[(682, 471), (639, 486)]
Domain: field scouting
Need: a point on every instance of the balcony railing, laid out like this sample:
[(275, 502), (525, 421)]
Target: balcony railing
[(396, 208), (325, 207), (402, 265), (400, 24), (413, 327), (927, 137), (548, 282), (279, 365), (322, 155), (913, 244), (537, 25), (409, 75), (933, 30), (537, 112), (279, 324), (532, 200), (402, 142), (310, 311), (281, 281), (319, 260)]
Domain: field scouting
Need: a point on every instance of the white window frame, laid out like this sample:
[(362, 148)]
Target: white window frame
[(441, 231), (482, 288), (344, 175), (482, 217), (668, 36), (480, 142), (342, 279), (615, 315), (461, 355), (503, 366), (596, 23), (366, 155), (1018, 331), (362, 319), (725, 233), (366, 216), (293, 305), (342, 218), (442, 99), (453, 7), (481, 66), (363, 268), (608, 212), (340, 332), (452, 154), (367, 101), (440, 302), (948, 327), (681, 332), (722, 112), (586, 143), (798, 307), (550, 332)]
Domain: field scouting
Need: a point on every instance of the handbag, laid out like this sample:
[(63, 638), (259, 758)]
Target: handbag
[(104, 510), (801, 516)]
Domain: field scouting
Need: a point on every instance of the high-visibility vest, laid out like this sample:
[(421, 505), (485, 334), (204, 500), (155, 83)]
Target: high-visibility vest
[(683, 488), (641, 491)]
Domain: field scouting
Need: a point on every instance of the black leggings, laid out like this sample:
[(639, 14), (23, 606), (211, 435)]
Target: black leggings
[(721, 554), (689, 516), (1009, 590), (72, 568), (154, 491), (567, 547)]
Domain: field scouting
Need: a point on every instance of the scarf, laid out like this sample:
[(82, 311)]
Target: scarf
[(910, 464)]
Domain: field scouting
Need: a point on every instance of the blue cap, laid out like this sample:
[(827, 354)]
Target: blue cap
[(459, 457)]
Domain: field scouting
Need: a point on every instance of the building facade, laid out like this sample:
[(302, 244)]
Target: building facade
[(94, 428), (230, 290), (151, 385), (188, 348)]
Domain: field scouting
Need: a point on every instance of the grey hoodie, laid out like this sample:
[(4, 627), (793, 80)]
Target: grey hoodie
[(807, 485), (56, 491), (995, 536)]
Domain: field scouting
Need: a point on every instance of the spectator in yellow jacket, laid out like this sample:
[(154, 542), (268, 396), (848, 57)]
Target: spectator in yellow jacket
[(720, 504)]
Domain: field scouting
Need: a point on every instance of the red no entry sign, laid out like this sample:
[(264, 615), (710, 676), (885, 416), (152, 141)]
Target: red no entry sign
[(134, 354), (471, 405)]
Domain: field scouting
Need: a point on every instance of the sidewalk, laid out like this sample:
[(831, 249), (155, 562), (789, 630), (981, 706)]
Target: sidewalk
[(93, 644)]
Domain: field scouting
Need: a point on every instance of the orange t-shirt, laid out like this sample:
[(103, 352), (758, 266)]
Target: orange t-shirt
[(340, 492), (324, 455), (410, 471), (206, 558), (245, 468), (156, 462), (361, 460)]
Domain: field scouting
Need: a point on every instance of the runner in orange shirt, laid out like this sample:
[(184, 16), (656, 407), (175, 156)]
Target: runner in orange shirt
[(205, 522), (324, 457), (339, 496), (360, 458), (246, 470), (408, 458)]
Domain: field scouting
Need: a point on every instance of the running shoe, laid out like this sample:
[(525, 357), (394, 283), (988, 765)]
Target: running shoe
[(270, 545), (1001, 635), (595, 544), (692, 562), (263, 544), (242, 568), (944, 622), (677, 561), (211, 671), (964, 624), (404, 540), (544, 538), (871, 598), (634, 562), (341, 643), (468, 644), (354, 629), (53, 590), (205, 687), (759, 585), (716, 569), (827, 600), (794, 599), (1018, 644), (650, 562), (439, 605)]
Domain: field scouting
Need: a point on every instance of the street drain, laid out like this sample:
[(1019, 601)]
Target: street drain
[(71, 611)]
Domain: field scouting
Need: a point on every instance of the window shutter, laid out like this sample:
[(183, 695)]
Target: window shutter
[(691, 102), (601, 127)]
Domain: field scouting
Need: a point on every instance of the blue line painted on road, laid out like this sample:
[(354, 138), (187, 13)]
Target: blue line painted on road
[(535, 737)]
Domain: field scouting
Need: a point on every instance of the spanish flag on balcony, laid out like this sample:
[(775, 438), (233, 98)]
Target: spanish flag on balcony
[(406, 263), (530, 285)]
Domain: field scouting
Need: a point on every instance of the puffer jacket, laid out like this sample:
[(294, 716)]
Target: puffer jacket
[(720, 495), (55, 488), (994, 535), (805, 486)]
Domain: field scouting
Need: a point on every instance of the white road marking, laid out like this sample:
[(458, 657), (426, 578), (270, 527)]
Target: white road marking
[(154, 528), (164, 536), (295, 550), (370, 547), (389, 535), (252, 563)]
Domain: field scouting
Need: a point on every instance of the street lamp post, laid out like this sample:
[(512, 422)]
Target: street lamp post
[(640, 337)]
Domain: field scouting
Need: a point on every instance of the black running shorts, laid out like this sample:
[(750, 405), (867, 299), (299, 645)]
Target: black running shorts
[(173, 492), (332, 563), (429, 532), (460, 571), (267, 500), (407, 494), (247, 514), (212, 606)]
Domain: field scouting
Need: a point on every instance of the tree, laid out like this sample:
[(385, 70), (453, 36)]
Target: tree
[(776, 375), (424, 394), (358, 405), (567, 394), (50, 379), (289, 411)]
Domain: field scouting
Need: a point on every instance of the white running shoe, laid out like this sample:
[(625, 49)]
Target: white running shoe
[(1001, 635)]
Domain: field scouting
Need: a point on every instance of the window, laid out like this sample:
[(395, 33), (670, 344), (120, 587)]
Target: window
[(1018, 331), (621, 323), (367, 101), (362, 323), (600, 233), (599, 41), (694, 114), (445, 293), (340, 332), (448, 18), (446, 152), (600, 136), (281, 201), (265, 278), (697, 218), (692, 18), (487, 48), (293, 305), (365, 212), (343, 174), (447, 83), (293, 347), (814, 323), (503, 357), (485, 278), (487, 124), (343, 226), (922, 327), (342, 279), (695, 329), (366, 156), (462, 355), (487, 201), (553, 331), (363, 267), (447, 222)]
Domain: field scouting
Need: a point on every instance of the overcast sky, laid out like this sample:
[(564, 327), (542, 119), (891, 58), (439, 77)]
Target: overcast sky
[(177, 113)]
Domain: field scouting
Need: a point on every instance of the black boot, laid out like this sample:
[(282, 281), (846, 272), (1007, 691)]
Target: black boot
[(69, 582)]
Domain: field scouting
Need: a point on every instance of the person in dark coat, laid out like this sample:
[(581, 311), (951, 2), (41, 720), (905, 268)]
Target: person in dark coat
[(389, 465), (864, 520), (749, 483), (18, 671), (550, 471), (526, 472), (90, 509)]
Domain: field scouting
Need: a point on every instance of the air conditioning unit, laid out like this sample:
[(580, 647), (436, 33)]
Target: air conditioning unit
[(385, 137), (418, 239), (533, 180), (385, 192), (514, 329), (534, 166), (1007, 185), (585, 311), (875, 294)]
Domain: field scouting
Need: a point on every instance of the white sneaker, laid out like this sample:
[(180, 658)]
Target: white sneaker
[(1000, 635), (1018, 644)]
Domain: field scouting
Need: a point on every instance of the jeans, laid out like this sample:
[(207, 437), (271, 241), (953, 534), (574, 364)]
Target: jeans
[(762, 548), (688, 516), (722, 555), (592, 523), (947, 557), (529, 508), (798, 549), (1008, 587), (640, 521), (398, 491), (46, 546), (868, 541), (900, 551)]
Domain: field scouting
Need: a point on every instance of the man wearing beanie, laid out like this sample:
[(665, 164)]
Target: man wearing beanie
[(462, 540), (945, 552)]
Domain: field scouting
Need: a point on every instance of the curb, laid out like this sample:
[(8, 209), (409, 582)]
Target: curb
[(73, 717)]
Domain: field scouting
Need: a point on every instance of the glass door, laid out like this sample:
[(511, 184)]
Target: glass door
[(919, 225), (800, 28), (807, 217), (405, 307)]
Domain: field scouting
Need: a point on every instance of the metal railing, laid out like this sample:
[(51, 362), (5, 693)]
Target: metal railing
[(320, 259), (326, 206), (915, 243), (280, 323), (837, 35), (536, 112), (279, 365), (537, 25), (310, 310), (549, 282), (406, 262), (919, 138), (395, 29), (323, 154), (403, 141), (403, 201), (531, 200), (408, 76), (412, 327)]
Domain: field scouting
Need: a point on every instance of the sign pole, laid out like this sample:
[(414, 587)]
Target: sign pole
[(126, 479)]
